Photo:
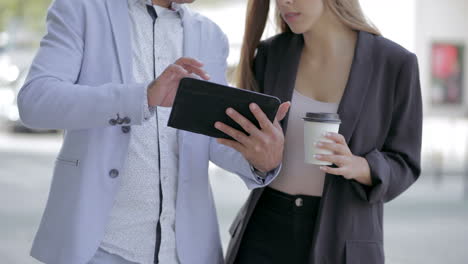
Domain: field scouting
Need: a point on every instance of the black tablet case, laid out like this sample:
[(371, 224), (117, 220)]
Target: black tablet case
[(199, 104)]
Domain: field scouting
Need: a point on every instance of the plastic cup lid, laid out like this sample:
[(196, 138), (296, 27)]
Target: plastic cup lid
[(323, 118)]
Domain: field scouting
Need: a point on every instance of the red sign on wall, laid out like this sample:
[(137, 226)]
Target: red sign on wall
[(447, 73)]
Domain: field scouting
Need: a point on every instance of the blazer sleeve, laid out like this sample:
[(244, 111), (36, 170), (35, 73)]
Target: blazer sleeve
[(51, 97), (397, 165)]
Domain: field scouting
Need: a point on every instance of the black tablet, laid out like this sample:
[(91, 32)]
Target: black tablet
[(200, 104)]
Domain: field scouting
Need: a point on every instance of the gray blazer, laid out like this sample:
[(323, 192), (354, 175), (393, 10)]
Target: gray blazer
[(381, 110), (81, 81)]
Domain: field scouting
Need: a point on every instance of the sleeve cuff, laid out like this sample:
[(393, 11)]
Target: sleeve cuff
[(260, 175), (265, 178), (372, 194)]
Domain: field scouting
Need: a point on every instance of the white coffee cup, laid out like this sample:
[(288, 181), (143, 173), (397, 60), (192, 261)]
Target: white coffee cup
[(316, 125)]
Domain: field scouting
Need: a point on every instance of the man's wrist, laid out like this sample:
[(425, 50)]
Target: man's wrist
[(151, 91), (257, 172)]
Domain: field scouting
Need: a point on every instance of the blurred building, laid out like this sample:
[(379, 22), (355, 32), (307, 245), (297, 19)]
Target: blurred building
[(441, 39)]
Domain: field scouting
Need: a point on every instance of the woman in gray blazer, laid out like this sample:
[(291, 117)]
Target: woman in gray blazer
[(329, 58)]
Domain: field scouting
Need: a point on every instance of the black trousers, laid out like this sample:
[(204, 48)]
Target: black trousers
[(280, 230)]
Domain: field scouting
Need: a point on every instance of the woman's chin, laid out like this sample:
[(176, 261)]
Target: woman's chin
[(297, 30)]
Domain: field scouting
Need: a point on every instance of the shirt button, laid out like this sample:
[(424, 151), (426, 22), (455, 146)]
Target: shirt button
[(114, 173), (299, 202), (126, 129)]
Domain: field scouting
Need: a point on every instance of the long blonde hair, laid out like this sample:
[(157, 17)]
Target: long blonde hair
[(349, 12)]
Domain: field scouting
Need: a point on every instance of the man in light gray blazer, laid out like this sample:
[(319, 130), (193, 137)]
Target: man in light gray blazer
[(126, 188)]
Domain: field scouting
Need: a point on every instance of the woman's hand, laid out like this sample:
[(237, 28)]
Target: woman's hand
[(262, 148), (162, 91), (349, 166)]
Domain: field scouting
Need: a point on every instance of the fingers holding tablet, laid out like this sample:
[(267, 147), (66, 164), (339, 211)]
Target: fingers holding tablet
[(263, 147)]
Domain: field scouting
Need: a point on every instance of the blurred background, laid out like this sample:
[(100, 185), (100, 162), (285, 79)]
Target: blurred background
[(427, 224)]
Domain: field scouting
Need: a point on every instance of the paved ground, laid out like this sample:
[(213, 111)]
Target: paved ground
[(428, 224)]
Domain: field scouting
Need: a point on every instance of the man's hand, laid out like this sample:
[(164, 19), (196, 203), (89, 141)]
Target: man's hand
[(162, 91)]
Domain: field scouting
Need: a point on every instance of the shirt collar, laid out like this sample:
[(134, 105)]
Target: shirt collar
[(174, 6)]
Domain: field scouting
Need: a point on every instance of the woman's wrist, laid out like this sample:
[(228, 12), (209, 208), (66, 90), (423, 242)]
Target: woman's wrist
[(365, 173)]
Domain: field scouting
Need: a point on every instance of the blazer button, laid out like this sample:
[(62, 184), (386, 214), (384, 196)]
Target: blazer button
[(126, 129), (127, 120), (114, 173), (113, 122)]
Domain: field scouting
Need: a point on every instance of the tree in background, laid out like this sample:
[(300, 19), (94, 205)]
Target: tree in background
[(27, 13), (32, 13)]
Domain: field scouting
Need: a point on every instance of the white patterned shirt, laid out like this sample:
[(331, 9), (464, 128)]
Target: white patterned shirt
[(131, 232)]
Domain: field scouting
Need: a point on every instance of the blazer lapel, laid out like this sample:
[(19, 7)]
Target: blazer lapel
[(282, 78), (356, 89), (119, 18), (192, 33), (287, 64), (192, 38)]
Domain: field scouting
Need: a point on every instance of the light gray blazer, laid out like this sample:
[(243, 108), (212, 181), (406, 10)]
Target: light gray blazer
[(81, 79)]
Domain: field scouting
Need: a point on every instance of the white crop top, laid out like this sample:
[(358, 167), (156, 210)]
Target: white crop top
[(298, 177)]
